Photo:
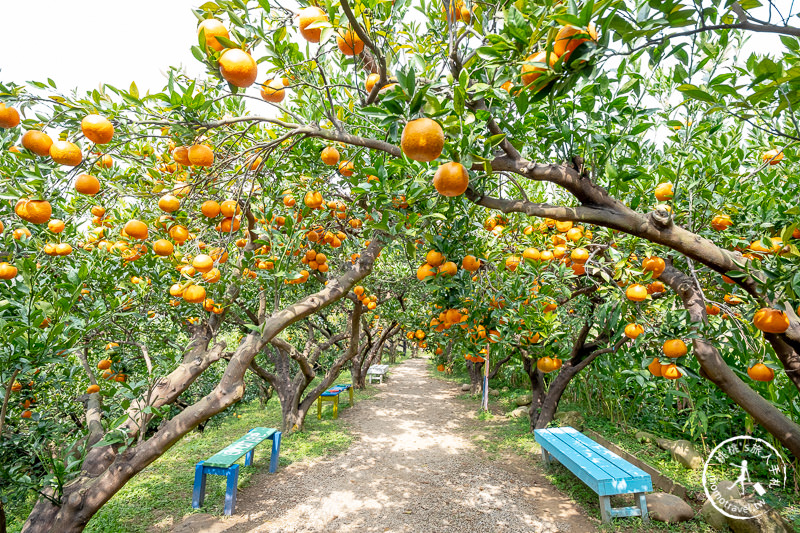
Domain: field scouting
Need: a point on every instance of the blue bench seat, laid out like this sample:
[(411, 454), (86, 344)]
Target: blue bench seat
[(602, 470)]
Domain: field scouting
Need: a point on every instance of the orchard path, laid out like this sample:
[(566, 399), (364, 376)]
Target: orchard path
[(412, 467)]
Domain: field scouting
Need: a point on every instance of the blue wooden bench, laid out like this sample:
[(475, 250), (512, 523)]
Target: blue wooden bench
[(332, 395), (223, 464), (605, 472)]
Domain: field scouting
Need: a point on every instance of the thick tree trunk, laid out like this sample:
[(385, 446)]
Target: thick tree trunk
[(717, 370), (537, 389), (105, 471), (475, 377)]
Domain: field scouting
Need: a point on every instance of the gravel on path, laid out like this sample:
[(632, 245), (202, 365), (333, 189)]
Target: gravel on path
[(413, 467)]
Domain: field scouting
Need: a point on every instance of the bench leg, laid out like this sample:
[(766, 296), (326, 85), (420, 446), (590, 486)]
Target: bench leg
[(199, 490), (351, 396), (230, 491), (276, 450), (641, 502), (545, 457), (319, 408), (605, 509), (336, 406)]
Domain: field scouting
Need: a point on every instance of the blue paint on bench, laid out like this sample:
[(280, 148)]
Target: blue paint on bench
[(332, 395), (602, 470), (223, 464)]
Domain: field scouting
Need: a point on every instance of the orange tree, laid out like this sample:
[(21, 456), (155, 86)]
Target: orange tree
[(543, 109)]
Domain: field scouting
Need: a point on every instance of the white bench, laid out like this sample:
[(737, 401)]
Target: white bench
[(377, 371)]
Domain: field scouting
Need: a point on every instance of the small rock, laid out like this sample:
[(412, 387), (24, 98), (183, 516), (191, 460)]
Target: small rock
[(712, 517), (504, 389), (524, 399), (644, 436), (668, 508), (494, 393), (570, 418), (519, 412), (768, 522), (683, 452), (465, 387)]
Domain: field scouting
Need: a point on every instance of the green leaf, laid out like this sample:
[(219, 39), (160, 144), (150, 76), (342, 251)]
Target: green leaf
[(134, 90)]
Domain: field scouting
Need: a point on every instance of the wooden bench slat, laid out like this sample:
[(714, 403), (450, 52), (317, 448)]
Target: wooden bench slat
[(631, 469), (591, 452), (230, 454)]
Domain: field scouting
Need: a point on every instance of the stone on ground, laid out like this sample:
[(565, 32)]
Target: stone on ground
[(519, 412), (683, 452), (524, 399), (570, 418), (768, 522), (644, 436), (710, 514), (466, 387), (668, 508)]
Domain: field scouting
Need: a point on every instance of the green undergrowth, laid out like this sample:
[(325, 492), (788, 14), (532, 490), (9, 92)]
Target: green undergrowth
[(161, 494)]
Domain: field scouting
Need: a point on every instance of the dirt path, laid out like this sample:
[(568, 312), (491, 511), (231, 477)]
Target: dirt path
[(412, 468)]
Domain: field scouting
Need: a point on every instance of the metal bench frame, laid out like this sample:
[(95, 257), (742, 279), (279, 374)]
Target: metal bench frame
[(332, 395), (379, 372)]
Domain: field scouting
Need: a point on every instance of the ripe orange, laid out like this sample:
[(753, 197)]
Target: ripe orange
[(26, 413), (451, 179), (213, 29), (512, 262), (772, 156), (34, 211), (230, 224), (346, 168), (654, 264), (238, 68), (329, 155), (761, 372), (655, 367), (21, 233), (422, 140), (55, 225), (97, 129), (530, 73), (531, 254), (136, 229), (7, 271), (434, 258), (470, 263), (86, 184), (448, 269), (37, 142), (91, 389), (272, 91), (721, 222), (181, 155), (309, 16), (203, 263), (570, 37), (9, 117), (349, 43), (194, 294), (313, 199), (372, 79), (771, 320), (636, 292), (210, 208), (671, 371), (663, 192), (712, 309), (546, 364), (633, 330), (674, 348), (169, 203), (212, 276), (579, 255), (63, 249), (426, 271), (66, 153), (655, 287), (200, 155)]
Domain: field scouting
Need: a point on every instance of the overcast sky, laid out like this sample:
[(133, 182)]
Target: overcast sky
[(83, 43)]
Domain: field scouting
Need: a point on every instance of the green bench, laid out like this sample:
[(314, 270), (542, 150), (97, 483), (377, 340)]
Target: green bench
[(223, 464)]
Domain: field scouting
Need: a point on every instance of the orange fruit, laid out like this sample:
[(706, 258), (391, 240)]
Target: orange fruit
[(9, 117), (136, 229), (761, 372), (579, 255), (26, 413), (309, 16), (37, 142), (194, 294), (772, 156), (372, 79), (97, 129), (633, 330), (663, 192), (546, 364), (434, 258), (656, 265), (200, 155), (712, 309), (349, 43), (425, 271), (655, 367), (655, 287), (771, 320), (422, 140), (203, 263), (346, 168), (670, 371), (181, 155), (570, 37), (210, 208), (63, 249), (230, 224), (272, 91), (55, 225), (213, 29), (21, 233), (169, 203), (313, 199), (448, 269), (674, 348), (34, 211), (212, 276), (512, 262), (7, 271), (66, 153), (721, 222), (91, 389), (530, 73), (329, 155), (470, 263), (163, 247), (636, 292), (86, 184), (451, 179), (238, 68), (531, 254)]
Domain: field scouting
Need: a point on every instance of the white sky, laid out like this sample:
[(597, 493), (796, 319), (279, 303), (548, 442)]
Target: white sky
[(83, 43)]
